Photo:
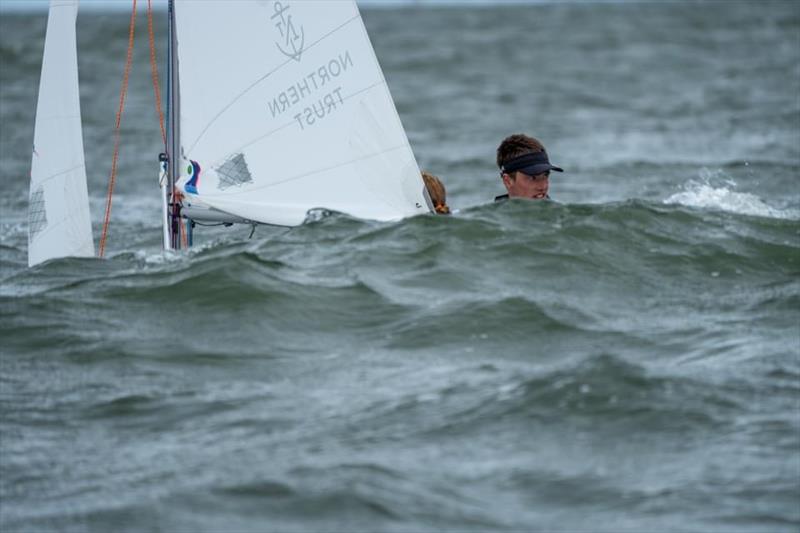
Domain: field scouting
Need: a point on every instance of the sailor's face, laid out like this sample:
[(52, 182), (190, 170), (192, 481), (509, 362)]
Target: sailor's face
[(522, 185)]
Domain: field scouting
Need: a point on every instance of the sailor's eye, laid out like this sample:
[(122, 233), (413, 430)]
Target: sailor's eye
[(189, 169)]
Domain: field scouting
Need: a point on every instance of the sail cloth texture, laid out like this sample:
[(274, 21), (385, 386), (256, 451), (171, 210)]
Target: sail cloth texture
[(59, 219), (284, 108)]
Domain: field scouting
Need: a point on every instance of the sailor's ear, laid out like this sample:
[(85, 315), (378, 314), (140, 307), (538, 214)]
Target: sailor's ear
[(508, 180)]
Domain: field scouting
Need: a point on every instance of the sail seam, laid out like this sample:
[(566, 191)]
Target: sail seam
[(317, 171), (54, 225), (53, 176), (262, 78), (293, 121)]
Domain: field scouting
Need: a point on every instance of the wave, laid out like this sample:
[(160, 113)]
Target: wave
[(602, 390), (515, 278), (476, 252), (702, 194)]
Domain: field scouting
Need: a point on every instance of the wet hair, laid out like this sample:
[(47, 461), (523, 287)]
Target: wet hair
[(437, 193), (515, 146)]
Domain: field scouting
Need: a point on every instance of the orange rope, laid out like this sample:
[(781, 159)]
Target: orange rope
[(154, 71), (184, 238), (122, 94)]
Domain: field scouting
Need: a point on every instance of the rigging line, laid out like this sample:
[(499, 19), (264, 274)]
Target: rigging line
[(262, 78), (169, 80), (210, 225), (115, 158), (154, 72)]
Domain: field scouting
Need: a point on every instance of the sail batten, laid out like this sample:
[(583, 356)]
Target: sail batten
[(59, 222), (316, 129)]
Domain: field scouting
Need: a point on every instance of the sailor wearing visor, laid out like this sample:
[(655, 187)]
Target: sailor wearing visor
[(524, 168)]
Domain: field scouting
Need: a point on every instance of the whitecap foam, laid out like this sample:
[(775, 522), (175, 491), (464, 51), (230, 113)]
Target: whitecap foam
[(159, 257), (705, 194)]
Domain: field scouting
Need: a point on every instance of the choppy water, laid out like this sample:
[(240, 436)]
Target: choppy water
[(625, 358)]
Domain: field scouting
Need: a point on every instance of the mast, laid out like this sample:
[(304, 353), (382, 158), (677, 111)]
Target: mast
[(172, 219)]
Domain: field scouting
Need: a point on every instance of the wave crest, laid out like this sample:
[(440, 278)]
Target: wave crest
[(704, 194)]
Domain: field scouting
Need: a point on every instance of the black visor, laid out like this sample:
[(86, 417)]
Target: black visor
[(530, 164)]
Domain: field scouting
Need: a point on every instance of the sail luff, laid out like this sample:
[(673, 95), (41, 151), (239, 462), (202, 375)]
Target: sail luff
[(59, 217)]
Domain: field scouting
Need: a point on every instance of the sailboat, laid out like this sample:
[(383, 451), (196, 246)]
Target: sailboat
[(275, 108)]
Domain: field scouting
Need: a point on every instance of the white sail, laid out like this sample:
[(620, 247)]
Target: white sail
[(59, 220), (284, 107)]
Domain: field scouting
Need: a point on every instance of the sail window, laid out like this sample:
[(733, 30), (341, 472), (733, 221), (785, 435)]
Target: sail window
[(37, 216), (233, 171)]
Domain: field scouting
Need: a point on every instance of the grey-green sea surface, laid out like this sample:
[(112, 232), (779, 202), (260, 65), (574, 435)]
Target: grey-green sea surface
[(624, 358)]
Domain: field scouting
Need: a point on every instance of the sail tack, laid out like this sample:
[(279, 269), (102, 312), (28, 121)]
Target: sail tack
[(59, 218), (284, 108)]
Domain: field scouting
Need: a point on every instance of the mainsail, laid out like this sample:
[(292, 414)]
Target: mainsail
[(284, 108), (59, 220)]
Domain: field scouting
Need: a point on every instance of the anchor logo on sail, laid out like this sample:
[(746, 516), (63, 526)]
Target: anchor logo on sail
[(293, 39)]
